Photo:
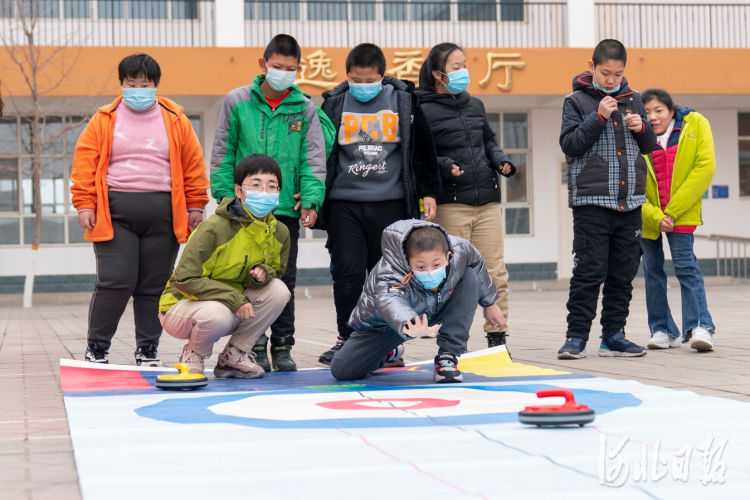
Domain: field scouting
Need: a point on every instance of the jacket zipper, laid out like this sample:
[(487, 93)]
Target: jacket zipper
[(473, 164), (244, 265)]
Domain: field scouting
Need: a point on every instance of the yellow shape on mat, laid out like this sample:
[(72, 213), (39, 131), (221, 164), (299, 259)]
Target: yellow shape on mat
[(499, 364)]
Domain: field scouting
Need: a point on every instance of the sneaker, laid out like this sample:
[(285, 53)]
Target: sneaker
[(147, 356), (327, 356), (660, 340), (395, 357), (702, 340), (193, 360), (234, 362), (282, 359), (96, 355), (495, 339), (618, 346), (573, 348), (446, 370), (261, 357)]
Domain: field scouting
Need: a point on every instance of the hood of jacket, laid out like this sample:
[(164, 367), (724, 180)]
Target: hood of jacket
[(393, 241), (343, 87), (585, 82)]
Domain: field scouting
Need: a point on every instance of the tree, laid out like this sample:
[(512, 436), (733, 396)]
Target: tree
[(42, 71)]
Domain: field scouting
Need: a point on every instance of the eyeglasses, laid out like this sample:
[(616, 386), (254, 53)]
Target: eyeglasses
[(269, 187)]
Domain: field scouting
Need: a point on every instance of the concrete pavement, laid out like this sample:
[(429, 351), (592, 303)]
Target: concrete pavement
[(36, 459)]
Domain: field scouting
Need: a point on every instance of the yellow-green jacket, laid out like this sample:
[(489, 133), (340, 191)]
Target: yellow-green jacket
[(218, 257), (694, 167)]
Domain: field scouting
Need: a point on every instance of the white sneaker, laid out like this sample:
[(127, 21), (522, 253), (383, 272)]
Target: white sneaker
[(193, 360), (660, 340), (701, 340)]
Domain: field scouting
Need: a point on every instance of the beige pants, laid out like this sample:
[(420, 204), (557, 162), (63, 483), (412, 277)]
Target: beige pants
[(483, 227), (203, 322)]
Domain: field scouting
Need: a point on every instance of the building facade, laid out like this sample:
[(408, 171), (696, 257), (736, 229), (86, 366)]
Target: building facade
[(522, 57)]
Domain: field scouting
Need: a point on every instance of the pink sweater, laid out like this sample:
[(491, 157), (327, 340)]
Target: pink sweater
[(140, 151)]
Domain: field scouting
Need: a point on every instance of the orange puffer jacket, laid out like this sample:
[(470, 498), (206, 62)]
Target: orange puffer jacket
[(91, 160)]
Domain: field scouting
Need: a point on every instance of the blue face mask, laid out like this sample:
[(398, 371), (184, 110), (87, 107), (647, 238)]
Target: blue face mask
[(260, 203), (365, 92), (609, 92), (457, 81), (280, 80), (139, 99), (431, 279)]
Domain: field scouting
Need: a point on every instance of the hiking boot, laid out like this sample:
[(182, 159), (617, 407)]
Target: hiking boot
[(96, 355), (573, 348), (495, 339), (702, 340), (446, 369), (261, 357), (147, 356), (281, 356), (395, 357), (661, 340), (618, 346), (234, 362), (327, 356), (193, 360)]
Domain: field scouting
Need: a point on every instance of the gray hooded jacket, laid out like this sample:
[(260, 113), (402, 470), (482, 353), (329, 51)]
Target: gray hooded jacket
[(392, 296)]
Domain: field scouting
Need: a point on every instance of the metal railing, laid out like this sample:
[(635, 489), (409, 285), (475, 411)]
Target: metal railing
[(413, 23), (675, 25), (164, 23), (732, 255)]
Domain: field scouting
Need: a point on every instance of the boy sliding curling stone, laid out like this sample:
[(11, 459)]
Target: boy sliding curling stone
[(426, 282)]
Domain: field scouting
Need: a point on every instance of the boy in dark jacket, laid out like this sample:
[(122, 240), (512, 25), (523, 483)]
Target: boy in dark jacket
[(425, 277), (604, 133), (383, 161)]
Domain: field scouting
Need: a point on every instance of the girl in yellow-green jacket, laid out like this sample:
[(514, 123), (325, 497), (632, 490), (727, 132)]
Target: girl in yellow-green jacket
[(680, 170)]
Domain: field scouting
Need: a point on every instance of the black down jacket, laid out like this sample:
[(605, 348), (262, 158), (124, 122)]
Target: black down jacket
[(464, 137)]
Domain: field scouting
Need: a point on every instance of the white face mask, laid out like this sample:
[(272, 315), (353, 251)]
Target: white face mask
[(280, 80)]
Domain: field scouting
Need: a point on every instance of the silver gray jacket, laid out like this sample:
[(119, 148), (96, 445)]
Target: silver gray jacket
[(392, 296)]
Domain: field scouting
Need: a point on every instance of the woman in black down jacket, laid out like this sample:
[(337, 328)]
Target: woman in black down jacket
[(469, 160)]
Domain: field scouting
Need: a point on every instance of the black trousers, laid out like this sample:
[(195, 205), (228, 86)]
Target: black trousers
[(365, 351), (607, 250), (136, 263), (354, 232), (282, 330)]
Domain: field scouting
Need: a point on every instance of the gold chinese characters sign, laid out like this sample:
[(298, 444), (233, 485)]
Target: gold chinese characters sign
[(491, 72)]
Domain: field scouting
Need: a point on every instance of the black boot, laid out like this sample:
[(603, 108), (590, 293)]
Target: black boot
[(261, 354), (281, 354), (495, 339)]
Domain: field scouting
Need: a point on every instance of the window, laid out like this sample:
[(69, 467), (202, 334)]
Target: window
[(477, 10), (60, 222), (278, 9), (430, 10), (147, 9), (77, 9), (511, 130), (363, 10), (511, 10), (334, 10), (744, 153)]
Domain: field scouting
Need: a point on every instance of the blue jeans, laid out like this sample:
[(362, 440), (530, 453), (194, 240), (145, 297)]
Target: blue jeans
[(693, 291)]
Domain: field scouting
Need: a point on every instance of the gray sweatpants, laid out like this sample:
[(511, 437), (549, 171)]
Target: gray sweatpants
[(366, 351)]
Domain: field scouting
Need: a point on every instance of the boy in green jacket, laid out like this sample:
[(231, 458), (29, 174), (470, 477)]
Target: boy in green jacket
[(272, 116), (226, 281)]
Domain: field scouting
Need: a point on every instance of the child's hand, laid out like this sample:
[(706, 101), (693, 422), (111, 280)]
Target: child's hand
[(667, 224), (456, 171), (418, 327), (495, 316), (245, 311), (607, 106), (259, 274), (634, 122), (505, 168)]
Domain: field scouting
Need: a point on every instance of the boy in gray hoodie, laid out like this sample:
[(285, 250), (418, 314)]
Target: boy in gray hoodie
[(425, 277)]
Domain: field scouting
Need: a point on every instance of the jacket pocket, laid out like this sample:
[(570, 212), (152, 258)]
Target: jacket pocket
[(593, 179), (640, 175)]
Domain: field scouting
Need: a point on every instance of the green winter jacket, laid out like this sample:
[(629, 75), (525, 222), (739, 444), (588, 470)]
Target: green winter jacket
[(694, 167), (297, 135), (218, 257)]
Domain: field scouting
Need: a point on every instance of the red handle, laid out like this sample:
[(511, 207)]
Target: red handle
[(557, 393)]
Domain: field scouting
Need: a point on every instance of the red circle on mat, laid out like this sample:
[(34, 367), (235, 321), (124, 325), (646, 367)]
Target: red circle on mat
[(365, 404)]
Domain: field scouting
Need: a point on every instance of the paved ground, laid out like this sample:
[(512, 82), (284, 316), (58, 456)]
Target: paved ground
[(36, 460)]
